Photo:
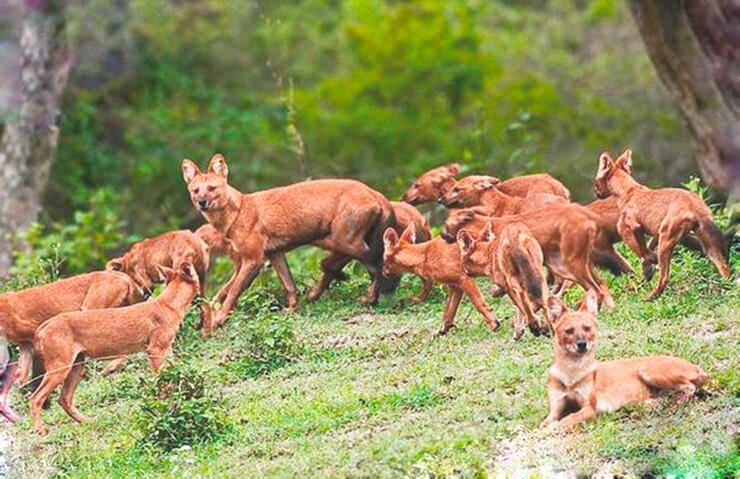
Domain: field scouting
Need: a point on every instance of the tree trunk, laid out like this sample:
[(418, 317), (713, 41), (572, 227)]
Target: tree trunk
[(29, 141), (695, 48)]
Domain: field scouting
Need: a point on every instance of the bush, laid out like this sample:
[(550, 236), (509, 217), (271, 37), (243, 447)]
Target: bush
[(178, 409)]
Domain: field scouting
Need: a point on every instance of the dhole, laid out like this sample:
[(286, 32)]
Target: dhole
[(481, 190), (342, 216), (406, 215), (438, 262), (566, 233), (67, 339), (513, 260), (668, 214), (143, 260), (430, 186), (579, 387), (22, 312)]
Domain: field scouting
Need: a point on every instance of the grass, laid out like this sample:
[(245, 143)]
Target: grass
[(342, 390)]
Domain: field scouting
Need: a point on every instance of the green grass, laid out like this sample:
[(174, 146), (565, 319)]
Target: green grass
[(339, 389)]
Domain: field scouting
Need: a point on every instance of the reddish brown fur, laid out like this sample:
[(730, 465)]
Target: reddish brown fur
[(437, 262), (606, 214), (431, 185), (579, 387), (668, 213), (66, 339), (566, 233), (22, 312), (497, 195), (342, 216), (513, 260), (406, 215)]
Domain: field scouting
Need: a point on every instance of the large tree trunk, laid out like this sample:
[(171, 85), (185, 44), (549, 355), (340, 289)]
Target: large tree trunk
[(29, 140), (695, 47)]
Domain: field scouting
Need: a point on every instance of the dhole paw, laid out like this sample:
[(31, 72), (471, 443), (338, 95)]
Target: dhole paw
[(368, 300), (444, 330), (11, 416), (652, 296), (494, 326)]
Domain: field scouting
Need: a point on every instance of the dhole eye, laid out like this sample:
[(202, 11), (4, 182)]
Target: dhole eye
[(211, 188), (569, 331), (587, 328), (196, 190)]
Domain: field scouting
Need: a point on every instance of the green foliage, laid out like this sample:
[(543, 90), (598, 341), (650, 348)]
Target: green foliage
[(178, 408), (76, 247)]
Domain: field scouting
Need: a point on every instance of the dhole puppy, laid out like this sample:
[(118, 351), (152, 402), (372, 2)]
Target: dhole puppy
[(513, 260), (667, 213), (342, 216), (566, 233), (406, 215), (579, 387), (437, 262), (22, 312), (68, 338), (481, 190), (143, 260)]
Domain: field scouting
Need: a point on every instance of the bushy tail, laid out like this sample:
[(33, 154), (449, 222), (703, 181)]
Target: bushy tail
[(711, 237), (531, 276)]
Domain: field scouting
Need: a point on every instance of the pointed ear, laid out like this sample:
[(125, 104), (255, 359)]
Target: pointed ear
[(590, 303), (167, 273), (115, 264), (487, 183), (187, 271), (465, 241), (189, 170), (487, 234), (390, 238), (217, 164), (556, 308), (454, 169), (605, 164), (409, 234), (625, 161)]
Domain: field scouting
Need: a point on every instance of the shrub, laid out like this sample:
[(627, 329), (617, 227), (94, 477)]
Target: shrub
[(178, 409)]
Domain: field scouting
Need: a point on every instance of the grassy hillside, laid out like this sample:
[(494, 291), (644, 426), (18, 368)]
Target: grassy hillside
[(339, 390)]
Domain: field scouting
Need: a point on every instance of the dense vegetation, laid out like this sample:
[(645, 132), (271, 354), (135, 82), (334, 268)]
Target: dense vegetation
[(378, 90)]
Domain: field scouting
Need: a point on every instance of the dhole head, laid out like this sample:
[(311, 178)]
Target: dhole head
[(208, 191), (137, 273), (392, 245), (604, 181), (185, 271), (575, 331), (455, 221), (431, 185), (467, 191), (473, 252)]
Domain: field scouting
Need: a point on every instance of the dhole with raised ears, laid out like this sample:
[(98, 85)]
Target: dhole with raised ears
[(430, 186), (513, 260), (143, 261), (481, 190), (342, 216), (405, 214), (67, 339), (667, 213), (565, 232), (436, 261), (22, 312), (579, 387)]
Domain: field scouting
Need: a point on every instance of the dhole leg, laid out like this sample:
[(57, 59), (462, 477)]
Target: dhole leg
[(453, 302), (556, 407), (247, 272), (66, 398), (426, 290), (332, 269), (56, 373), (25, 363), (280, 265), (6, 377), (471, 290), (373, 291), (113, 365), (157, 355), (586, 413), (668, 238), (631, 232)]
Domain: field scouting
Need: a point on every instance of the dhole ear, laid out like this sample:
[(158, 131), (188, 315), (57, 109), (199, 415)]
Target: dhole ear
[(487, 183), (187, 271), (605, 164), (590, 303), (217, 164), (465, 241), (189, 170), (487, 234), (409, 234), (625, 161), (167, 273), (115, 264), (390, 238), (454, 169), (556, 308)]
